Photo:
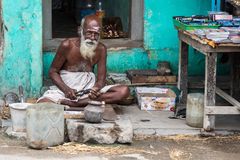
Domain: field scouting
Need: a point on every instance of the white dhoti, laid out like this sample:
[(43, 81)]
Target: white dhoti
[(75, 80)]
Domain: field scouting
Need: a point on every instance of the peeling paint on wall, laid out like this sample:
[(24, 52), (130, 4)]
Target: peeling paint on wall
[(22, 55), (1, 34), (160, 36)]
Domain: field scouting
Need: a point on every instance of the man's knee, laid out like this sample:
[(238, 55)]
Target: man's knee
[(44, 100), (124, 92)]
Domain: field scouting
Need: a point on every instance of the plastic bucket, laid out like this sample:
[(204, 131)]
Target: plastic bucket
[(195, 109), (18, 116)]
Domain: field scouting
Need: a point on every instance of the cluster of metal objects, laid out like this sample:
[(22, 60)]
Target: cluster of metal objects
[(235, 2), (110, 31)]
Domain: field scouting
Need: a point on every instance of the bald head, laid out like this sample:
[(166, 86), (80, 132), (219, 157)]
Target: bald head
[(90, 22)]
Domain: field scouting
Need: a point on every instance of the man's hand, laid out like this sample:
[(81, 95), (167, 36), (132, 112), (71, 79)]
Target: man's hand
[(94, 93), (70, 93)]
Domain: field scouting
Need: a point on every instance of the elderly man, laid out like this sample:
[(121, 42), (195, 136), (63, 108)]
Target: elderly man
[(72, 70)]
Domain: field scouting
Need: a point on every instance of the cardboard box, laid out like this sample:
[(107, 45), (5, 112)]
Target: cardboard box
[(152, 98)]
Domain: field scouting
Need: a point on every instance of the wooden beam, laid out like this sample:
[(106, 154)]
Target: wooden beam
[(204, 48), (221, 110), (183, 71), (228, 98), (210, 89)]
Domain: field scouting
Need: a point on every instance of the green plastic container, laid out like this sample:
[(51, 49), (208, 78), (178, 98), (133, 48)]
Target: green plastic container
[(182, 26)]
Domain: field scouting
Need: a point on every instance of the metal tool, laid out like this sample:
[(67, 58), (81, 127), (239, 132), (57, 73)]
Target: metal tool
[(82, 92)]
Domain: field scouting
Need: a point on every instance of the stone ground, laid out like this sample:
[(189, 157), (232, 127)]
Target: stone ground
[(154, 148), (158, 122), (152, 141)]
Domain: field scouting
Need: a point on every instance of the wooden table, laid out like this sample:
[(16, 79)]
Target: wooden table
[(210, 109)]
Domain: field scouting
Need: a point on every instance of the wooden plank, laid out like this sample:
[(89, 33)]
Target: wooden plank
[(200, 40), (235, 75), (73, 115), (149, 76), (145, 72), (221, 110), (150, 84), (210, 89), (183, 72), (228, 98), (198, 45), (153, 79), (109, 113)]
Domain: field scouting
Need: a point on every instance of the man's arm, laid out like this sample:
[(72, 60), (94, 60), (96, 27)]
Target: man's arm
[(101, 68), (57, 64), (101, 72)]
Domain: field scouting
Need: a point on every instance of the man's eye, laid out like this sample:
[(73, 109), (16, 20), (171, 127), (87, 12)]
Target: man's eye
[(87, 34)]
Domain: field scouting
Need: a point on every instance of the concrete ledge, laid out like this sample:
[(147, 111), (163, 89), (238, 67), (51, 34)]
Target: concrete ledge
[(120, 131), (19, 135)]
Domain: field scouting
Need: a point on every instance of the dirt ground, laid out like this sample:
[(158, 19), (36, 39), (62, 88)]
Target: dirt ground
[(164, 148)]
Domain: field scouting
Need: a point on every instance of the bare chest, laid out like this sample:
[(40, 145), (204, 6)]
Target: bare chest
[(76, 63)]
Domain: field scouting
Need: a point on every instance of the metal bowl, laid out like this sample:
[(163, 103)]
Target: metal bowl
[(11, 97)]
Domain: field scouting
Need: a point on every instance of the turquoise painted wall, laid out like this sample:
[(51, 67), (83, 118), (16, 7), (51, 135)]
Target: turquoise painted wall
[(22, 54), (160, 36), (117, 61), (159, 31)]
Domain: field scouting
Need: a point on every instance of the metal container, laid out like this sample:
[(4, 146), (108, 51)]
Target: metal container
[(18, 116), (93, 112), (11, 97)]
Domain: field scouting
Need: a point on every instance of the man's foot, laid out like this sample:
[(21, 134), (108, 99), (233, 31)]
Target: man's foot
[(79, 103)]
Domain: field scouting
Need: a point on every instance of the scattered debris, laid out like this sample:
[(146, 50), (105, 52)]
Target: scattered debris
[(5, 113), (176, 154), (182, 137), (75, 148)]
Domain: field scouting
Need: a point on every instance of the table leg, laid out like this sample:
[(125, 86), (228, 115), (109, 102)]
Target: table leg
[(235, 63), (183, 72), (210, 89)]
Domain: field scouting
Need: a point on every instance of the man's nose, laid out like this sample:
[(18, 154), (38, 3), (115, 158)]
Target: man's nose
[(92, 36)]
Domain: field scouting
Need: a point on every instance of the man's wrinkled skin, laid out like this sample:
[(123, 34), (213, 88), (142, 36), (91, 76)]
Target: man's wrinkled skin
[(80, 55)]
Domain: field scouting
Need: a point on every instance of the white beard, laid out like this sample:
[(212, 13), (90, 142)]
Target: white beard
[(87, 49)]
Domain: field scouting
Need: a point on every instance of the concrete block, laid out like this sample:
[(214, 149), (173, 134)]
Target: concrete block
[(81, 131), (144, 132), (6, 122), (18, 135), (124, 130), (172, 132), (120, 131)]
